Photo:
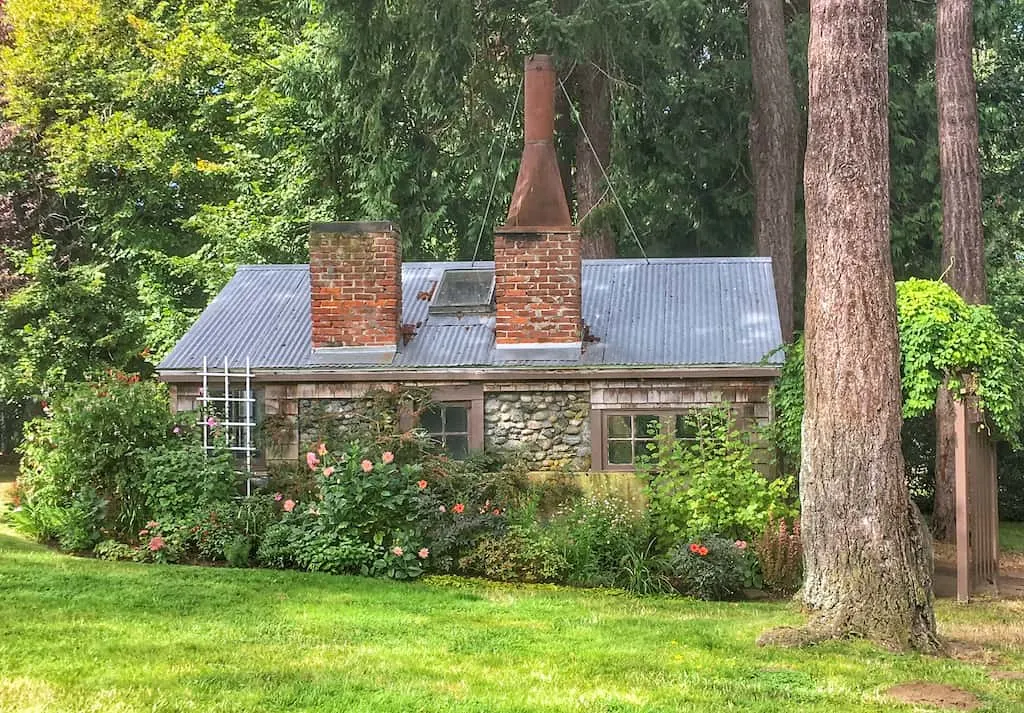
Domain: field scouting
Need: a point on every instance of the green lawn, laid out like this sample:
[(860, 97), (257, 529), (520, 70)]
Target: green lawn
[(87, 635), (1011, 537)]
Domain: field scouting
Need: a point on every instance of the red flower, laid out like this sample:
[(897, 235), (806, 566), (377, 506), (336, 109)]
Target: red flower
[(703, 551), (694, 548), (457, 508), (422, 484)]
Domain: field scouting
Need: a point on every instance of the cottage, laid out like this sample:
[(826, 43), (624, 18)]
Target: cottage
[(571, 360)]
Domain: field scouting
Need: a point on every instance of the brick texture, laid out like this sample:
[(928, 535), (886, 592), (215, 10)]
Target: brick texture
[(537, 286), (356, 291)]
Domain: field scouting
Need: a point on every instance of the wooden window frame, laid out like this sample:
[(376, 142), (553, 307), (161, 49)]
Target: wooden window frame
[(599, 431), (469, 396)]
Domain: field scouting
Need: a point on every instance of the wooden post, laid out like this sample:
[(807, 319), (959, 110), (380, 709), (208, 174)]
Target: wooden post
[(963, 544)]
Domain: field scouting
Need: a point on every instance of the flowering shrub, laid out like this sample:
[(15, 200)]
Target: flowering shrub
[(781, 557), (596, 535), (710, 484), (708, 568)]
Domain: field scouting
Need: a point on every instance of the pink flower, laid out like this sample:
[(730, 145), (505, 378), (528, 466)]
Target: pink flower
[(211, 422), (397, 551), (740, 544), (329, 471), (496, 511), (423, 553), (457, 508), (156, 544), (442, 509), (177, 430), (312, 461), (277, 497), (289, 505), (143, 533), (322, 449), (388, 457), (367, 466), (422, 484), (152, 523)]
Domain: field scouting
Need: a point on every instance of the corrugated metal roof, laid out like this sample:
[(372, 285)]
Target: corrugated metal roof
[(665, 312)]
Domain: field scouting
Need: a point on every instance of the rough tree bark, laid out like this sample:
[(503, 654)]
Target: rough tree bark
[(868, 559), (594, 101), (963, 238), (774, 148)]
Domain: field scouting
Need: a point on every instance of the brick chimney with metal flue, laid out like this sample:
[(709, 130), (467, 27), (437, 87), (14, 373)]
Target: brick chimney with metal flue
[(537, 253), (355, 290)]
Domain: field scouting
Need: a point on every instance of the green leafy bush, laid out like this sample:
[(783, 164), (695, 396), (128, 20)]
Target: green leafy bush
[(710, 484), (178, 477), (520, 555), (96, 436), (710, 568)]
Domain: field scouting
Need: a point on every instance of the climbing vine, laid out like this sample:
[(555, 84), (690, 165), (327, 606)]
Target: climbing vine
[(941, 338)]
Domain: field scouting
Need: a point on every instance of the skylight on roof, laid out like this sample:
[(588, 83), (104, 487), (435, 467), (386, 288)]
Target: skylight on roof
[(464, 292)]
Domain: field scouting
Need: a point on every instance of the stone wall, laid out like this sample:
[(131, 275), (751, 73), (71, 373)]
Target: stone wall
[(550, 428)]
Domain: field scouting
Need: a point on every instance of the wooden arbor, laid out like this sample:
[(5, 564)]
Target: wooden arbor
[(977, 506)]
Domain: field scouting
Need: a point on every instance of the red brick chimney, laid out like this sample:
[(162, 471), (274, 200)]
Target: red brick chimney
[(537, 253), (355, 289)]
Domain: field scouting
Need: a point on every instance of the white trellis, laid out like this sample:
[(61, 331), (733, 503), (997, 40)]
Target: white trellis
[(236, 408)]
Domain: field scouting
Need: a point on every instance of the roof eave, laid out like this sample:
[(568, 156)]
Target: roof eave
[(498, 373)]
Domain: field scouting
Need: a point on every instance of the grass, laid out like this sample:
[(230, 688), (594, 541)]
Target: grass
[(1011, 537), (87, 635)]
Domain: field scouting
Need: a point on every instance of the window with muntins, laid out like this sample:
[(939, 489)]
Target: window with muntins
[(629, 436), (448, 424)]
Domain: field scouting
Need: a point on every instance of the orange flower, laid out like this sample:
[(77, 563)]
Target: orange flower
[(694, 548), (367, 466), (322, 449), (703, 551), (422, 484), (388, 457), (457, 508)]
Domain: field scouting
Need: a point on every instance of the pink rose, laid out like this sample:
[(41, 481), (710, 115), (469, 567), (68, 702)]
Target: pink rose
[(397, 551), (329, 471), (289, 505), (388, 457), (156, 544), (367, 466), (423, 553), (312, 461)]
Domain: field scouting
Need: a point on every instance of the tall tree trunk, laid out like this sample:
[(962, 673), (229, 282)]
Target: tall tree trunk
[(594, 99), (868, 559), (963, 238), (774, 148)]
